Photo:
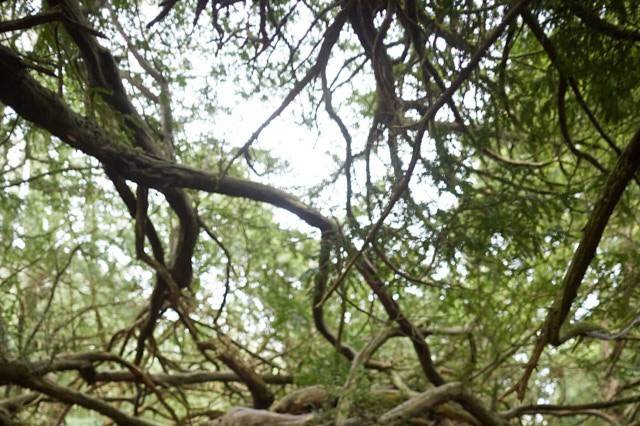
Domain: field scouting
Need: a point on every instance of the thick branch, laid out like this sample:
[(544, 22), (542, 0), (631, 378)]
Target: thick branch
[(432, 397), (591, 19), (545, 408), (189, 378), (44, 108), (620, 176), (554, 330), (20, 375)]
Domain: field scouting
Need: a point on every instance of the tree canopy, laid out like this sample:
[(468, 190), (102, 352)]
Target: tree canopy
[(349, 212)]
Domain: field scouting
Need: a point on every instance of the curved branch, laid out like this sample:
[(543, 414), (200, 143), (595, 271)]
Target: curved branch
[(20, 375), (552, 53), (593, 21), (402, 184), (329, 38), (37, 104), (188, 378), (554, 330), (564, 129), (435, 396), (620, 176), (544, 408)]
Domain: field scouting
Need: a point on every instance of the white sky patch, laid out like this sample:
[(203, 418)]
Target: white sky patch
[(521, 357), (308, 151), (414, 290), (590, 303), (213, 285)]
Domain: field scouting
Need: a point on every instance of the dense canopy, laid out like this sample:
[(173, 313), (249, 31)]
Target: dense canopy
[(349, 212)]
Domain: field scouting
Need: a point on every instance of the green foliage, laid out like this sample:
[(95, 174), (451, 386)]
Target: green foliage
[(474, 251)]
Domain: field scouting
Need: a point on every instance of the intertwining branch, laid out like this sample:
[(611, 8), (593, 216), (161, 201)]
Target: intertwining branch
[(420, 106)]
